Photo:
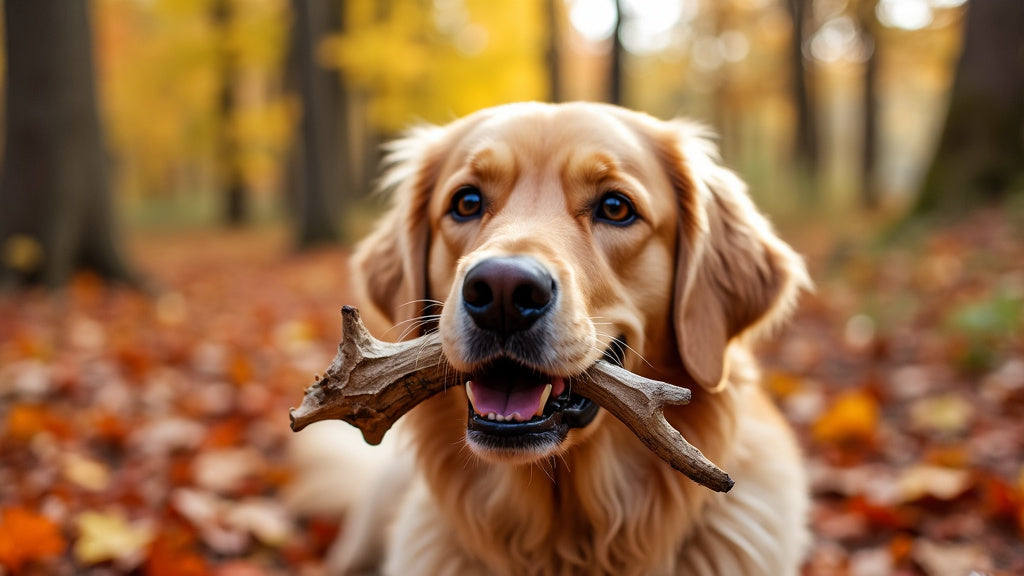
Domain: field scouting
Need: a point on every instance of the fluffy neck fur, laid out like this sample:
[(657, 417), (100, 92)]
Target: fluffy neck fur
[(634, 510)]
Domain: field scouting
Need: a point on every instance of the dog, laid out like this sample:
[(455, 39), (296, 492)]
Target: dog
[(538, 239)]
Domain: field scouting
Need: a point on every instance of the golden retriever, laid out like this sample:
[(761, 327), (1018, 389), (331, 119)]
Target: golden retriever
[(538, 239)]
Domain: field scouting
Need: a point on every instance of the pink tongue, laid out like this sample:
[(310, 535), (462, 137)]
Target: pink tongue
[(506, 399)]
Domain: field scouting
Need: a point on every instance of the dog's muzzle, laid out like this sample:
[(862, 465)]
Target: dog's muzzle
[(513, 406)]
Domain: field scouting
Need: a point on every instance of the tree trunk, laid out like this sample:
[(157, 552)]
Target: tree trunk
[(869, 196), (57, 213), (553, 58), (229, 169), (806, 145), (616, 58), (980, 156), (322, 167)]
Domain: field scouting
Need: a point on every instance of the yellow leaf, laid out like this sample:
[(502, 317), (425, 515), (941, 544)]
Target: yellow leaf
[(923, 480), (87, 473), (108, 536), (949, 414)]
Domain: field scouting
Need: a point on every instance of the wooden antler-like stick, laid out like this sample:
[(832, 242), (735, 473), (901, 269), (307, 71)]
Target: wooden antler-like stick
[(371, 384)]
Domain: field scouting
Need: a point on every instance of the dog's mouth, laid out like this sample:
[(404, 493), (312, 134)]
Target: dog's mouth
[(515, 408)]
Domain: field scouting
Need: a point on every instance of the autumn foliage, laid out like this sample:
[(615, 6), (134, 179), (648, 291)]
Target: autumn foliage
[(148, 433)]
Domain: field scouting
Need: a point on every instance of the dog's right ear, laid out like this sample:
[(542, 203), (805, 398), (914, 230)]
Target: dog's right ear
[(388, 268), (735, 275)]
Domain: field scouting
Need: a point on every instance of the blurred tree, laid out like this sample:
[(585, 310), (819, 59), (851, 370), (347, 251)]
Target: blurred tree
[(321, 157), (163, 67), (980, 155), (57, 214), (864, 14), (230, 178), (806, 147), (616, 58), (552, 15)]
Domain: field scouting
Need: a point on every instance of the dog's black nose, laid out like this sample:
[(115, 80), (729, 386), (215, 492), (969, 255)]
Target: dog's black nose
[(507, 294)]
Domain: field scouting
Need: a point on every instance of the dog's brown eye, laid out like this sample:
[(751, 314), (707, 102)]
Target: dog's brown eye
[(616, 209), (467, 203)]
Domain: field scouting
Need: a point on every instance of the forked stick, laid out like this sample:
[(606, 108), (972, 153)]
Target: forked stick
[(371, 384)]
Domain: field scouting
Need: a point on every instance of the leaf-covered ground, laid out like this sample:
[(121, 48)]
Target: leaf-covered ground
[(147, 434)]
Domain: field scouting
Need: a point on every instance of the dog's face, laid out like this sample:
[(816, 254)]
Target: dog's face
[(556, 236)]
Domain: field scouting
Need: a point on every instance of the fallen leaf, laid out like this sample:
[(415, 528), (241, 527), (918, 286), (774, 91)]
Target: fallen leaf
[(947, 415), (86, 472), (782, 385), (240, 568), (923, 481), (173, 554), (853, 417), (267, 520), (224, 471), (871, 562), (949, 559), (205, 512), (110, 537), (25, 421), (26, 536)]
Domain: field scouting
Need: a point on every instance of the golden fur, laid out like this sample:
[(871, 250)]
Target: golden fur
[(686, 285)]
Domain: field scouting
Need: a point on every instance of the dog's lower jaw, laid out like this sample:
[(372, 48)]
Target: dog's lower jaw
[(514, 439), (541, 447)]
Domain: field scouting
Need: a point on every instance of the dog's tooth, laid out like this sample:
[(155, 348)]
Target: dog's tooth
[(469, 393), (543, 400), (491, 416)]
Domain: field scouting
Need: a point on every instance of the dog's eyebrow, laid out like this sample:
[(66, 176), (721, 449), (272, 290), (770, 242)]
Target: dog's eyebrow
[(492, 163), (592, 167)]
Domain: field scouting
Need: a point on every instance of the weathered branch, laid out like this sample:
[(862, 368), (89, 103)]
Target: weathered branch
[(639, 403), (371, 384)]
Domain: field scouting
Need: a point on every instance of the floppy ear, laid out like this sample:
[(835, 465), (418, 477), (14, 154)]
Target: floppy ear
[(388, 268), (734, 275)]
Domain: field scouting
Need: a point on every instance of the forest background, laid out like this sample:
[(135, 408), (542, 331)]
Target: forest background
[(182, 178)]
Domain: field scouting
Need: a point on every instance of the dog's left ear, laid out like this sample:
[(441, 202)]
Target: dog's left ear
[(388, 267), (734, 275)]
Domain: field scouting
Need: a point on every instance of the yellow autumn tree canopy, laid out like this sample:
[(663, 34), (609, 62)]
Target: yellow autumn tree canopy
[(437, 60)]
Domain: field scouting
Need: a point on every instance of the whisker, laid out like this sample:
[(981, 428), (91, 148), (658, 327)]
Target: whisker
[(415, 323), (540, 464), (565, 463), (627, 347)]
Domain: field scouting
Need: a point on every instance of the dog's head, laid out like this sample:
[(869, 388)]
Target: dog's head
[(549, 237)]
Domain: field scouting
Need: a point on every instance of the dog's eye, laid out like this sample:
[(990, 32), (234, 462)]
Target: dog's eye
[(616, 209), (467, 203)]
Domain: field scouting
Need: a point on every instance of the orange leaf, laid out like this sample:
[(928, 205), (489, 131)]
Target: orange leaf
[(226, 434), (26, 536), (852, 418), (173, 554), (900, 547), (24, 422), (240, 370)]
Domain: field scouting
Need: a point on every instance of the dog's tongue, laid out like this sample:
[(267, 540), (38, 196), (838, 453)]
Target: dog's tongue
[(511, 398)]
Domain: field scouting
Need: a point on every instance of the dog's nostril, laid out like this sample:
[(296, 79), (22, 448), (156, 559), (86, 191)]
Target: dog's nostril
[(477, 294), (532, 297), (507, 294)]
